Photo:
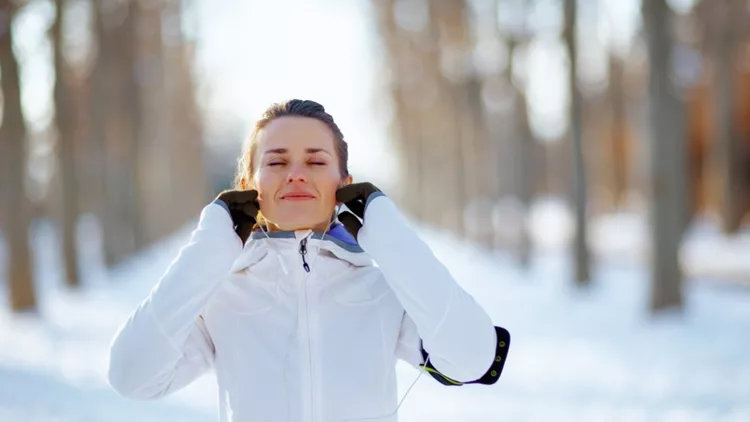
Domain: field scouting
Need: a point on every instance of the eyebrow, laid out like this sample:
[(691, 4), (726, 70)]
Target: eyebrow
[(284, 151)]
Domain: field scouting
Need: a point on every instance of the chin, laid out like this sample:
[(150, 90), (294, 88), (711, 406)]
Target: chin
[(300, 217), (294, 224)]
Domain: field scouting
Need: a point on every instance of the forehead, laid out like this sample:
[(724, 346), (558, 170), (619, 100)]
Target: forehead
[(295, 133)]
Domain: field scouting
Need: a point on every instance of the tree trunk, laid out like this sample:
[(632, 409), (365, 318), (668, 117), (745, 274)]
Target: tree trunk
[(618, 130), (154, 157), (65, 120), (188, 184), (13, 138), (116, 67), (96, 153), (728, 143), (521, 158), (463, 108), (525, 166), (104, 109), (404, 123), (666, 151), (438, 124), (129, 123), (581, 250)]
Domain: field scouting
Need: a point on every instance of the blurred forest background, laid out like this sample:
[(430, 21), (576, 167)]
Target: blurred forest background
[(657, 123), (582, 167)]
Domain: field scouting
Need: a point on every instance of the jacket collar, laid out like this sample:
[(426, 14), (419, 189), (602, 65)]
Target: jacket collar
[(336, 234), (337, 240)]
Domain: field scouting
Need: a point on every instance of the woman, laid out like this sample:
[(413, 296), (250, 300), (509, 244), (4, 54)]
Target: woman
[(286, 304)]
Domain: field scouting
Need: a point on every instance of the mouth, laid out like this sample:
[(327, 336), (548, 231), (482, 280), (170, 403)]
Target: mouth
[(297, 196)]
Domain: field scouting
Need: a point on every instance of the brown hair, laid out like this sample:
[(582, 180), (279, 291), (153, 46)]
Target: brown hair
[(299, 108)]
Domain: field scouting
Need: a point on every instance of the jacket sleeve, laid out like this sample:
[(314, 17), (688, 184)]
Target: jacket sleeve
[(164, 344), (442, 320)]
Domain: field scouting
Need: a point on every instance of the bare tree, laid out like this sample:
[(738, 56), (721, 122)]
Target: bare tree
[(66, 120), (667, 150), (13, 144), (188, 185), (619, 130), (455, 79), (400, 48), (144, 154), (100, 90), (525, 169), (522, 157), (425, 123), (115, 103), (582, 271), (724, 31), (152, 125)]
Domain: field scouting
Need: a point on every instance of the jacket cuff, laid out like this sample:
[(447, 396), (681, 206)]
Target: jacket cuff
[(371, 197), (222, 204), (493, 373)]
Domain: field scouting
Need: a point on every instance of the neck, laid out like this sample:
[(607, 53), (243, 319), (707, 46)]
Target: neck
[(320, 228)]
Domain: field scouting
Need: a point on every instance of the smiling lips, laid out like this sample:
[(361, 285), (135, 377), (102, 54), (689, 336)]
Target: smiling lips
[(298, 196)]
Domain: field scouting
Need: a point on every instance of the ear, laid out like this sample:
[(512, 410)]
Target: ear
[(344, 182)]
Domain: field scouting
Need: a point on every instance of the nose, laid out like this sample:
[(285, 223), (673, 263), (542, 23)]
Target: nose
[(296, 174)]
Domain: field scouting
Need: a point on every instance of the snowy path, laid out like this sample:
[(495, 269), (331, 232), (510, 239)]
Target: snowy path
[(575, 355)]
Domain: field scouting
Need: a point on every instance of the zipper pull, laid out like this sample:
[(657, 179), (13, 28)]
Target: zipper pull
[(303, 252)]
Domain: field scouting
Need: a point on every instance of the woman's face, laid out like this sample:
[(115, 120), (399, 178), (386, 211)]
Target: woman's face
[(297, 173)]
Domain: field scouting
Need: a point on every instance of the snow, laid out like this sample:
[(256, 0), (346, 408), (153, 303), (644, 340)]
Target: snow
[(576, 355)]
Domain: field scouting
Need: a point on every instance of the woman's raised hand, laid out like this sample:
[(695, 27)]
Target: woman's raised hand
[(355, 198), (243, 207)]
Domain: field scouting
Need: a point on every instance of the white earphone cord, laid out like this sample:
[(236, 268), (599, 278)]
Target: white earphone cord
[(398, 406)]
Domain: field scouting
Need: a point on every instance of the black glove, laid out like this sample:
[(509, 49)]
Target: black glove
[(243, 207), (355, 197)]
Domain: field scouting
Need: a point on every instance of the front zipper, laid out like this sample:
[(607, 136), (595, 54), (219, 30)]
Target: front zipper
[(303, 252), (313, 407)]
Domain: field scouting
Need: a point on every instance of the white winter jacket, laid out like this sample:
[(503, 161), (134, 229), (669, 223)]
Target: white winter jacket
[(288, 344)]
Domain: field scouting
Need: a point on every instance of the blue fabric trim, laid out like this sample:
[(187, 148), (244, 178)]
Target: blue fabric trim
[(222, 204), (342, 244), (337, 234), (371, 197)]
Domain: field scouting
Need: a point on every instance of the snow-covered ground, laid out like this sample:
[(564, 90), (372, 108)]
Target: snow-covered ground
[(576, 355)]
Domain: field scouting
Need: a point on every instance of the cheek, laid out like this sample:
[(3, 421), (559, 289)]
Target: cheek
[(267, 183), (328, 188)]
